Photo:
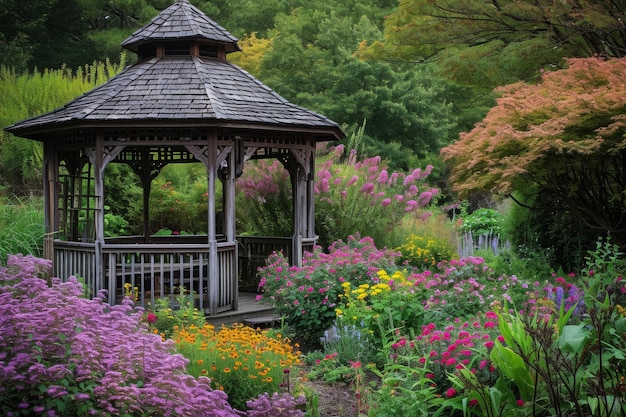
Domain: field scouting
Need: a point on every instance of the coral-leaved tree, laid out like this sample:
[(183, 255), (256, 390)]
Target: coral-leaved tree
[(564, 135)]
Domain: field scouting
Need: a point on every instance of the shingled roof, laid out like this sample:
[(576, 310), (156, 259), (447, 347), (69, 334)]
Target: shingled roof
[(172, 89), (181, 21)]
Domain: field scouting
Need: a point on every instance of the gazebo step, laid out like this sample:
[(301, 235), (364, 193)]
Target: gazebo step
[(250, 312), (261, 321)]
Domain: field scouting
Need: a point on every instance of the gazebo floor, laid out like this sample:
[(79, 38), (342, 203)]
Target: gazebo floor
[(250, 312)]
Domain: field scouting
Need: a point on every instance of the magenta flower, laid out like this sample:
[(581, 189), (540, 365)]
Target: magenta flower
[(367, 188)]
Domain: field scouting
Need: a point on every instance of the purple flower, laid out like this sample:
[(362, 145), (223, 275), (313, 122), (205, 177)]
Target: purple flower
[(367, 188)]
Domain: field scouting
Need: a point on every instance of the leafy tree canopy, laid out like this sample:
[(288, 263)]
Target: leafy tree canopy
[(311, 63), (565, 135), (497, 42)]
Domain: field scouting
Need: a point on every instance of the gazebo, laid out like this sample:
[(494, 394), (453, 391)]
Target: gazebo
[(181, 102)]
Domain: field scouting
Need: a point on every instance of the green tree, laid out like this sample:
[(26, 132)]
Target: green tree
[(311, 63), (497, 42), (43, 34), (565, 136)]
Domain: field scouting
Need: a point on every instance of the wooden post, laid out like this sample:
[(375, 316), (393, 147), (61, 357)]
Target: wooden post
[(298, 188), (51, 196), (213, 259), (98, 167)]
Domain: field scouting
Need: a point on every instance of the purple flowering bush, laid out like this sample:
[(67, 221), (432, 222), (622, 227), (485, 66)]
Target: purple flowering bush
[(64, 355)]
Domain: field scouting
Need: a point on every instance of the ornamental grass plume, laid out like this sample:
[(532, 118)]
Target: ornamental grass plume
[(61, 354)]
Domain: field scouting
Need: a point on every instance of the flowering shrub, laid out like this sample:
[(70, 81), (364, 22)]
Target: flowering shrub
[(307, 296), (423, 252), (364, 196), (239, 360), (389, 302), (458, 345), (61, 354)]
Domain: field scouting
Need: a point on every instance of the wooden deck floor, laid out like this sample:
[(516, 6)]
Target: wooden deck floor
[(249, 312)]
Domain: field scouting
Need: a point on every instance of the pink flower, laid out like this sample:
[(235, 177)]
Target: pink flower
[(367, 188), (151, 318), (451, 392), (489, 344), (490, 324), (385, 202), (491, 315), (520, 403)]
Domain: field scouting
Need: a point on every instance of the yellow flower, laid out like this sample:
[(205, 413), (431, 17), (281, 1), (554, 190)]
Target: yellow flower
[(226, 370)]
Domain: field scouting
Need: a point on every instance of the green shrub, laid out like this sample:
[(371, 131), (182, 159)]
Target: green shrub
[(482, 222)]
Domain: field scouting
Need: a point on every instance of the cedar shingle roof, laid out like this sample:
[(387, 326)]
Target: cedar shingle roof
[(175, 89), (181, 21)]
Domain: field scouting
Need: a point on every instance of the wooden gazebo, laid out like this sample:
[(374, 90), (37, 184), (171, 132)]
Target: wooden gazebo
[(181, 102)]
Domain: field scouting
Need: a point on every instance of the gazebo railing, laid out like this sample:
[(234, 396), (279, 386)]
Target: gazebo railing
[(147, 272), (76, 259)]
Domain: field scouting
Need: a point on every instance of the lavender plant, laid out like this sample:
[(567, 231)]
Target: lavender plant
[(278, 405)]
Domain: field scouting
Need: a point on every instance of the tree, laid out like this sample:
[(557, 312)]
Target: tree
[(311, 63), (497, 42), (565, 136), (43, 34)]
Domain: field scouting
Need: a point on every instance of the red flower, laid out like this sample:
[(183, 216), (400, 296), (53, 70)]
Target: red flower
[(451, 392), (520, 403), (151, 318)]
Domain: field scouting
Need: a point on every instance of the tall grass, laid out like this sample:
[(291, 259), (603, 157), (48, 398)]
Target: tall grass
[(21, 227)]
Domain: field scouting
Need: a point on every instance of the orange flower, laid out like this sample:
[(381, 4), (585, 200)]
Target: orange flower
[(200, 362), (226, 370)]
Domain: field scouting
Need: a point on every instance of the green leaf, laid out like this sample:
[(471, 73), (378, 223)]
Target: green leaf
[(573, 338), (512, 365)]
